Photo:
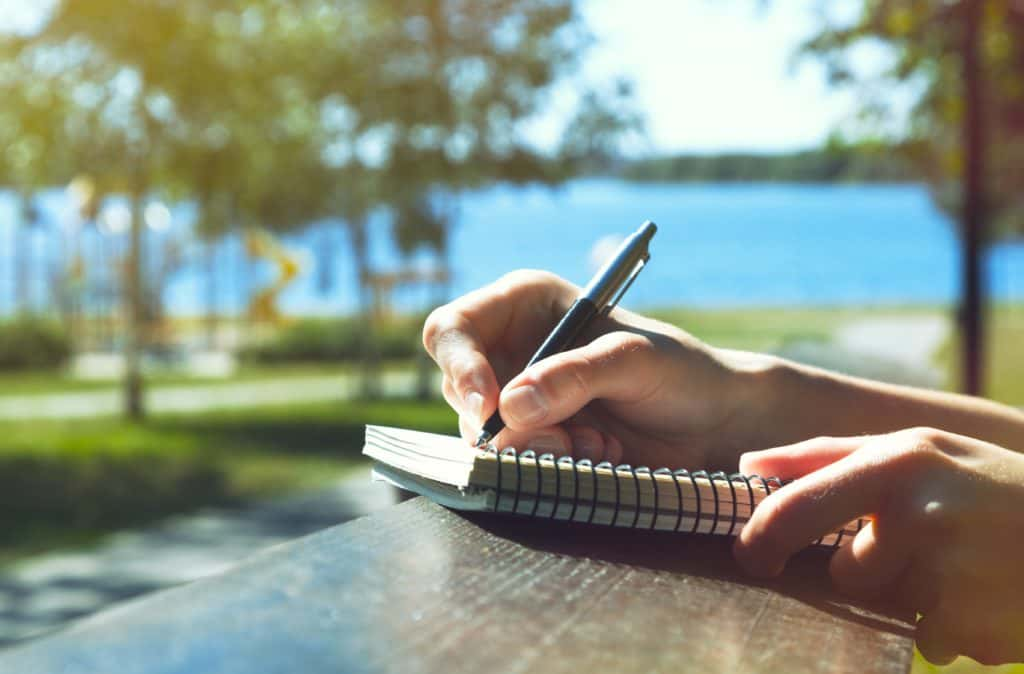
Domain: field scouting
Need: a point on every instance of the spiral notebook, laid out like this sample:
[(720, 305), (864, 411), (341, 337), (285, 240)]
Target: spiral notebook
[(449, 471)]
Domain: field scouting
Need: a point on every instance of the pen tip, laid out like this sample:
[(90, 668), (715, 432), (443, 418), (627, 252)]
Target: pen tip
[(482, 439)]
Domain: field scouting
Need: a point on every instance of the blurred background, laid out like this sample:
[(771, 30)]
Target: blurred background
[(222, 224)]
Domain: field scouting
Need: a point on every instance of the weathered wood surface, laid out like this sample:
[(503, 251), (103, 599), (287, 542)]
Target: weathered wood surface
[(417, 588)]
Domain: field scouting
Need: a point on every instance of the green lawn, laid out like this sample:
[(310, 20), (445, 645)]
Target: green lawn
[(1004, 366), (28, 383), (772, 330), (68, 482), (757, 329)]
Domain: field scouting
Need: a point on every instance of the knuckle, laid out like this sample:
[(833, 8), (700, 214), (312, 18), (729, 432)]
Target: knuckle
[(632, 342), (434, 325), (443, 324), (463, 376), (565, 377), (576, 373), (918, 449), (526, 279), (618, 345), (923, 438)]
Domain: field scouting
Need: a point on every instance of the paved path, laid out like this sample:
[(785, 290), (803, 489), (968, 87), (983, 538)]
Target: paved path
[(281, 391), (42, 593), (899, 349), (910, 340)]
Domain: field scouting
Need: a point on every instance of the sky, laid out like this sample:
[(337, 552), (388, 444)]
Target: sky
[(710, 75), (720, 75)]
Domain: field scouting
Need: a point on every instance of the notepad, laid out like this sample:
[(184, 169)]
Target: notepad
[(449, 471)]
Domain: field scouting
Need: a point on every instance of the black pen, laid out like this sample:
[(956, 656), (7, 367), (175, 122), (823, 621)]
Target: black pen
[(599, 297)]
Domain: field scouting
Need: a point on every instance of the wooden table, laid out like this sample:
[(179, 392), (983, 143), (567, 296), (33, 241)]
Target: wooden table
[(417, 588)]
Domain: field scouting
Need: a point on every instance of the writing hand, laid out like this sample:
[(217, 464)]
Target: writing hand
[(636, 389)]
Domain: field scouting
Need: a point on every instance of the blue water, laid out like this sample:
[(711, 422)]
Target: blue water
[(717, 245)]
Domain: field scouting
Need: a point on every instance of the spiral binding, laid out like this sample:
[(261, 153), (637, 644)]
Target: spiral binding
[(716, 522)]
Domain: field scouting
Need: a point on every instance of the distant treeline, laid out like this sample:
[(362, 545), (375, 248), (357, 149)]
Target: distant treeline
[(847, 163)]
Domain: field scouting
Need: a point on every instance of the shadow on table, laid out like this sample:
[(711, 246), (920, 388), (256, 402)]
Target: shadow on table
[(805, 578)]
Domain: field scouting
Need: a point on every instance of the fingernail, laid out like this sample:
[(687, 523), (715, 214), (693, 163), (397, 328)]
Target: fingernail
[(745, 461), (525, 404), (474, 405), (546, 443)]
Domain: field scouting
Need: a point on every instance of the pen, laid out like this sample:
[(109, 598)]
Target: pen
[(599, 297)]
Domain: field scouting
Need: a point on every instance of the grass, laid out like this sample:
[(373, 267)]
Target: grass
[(64, 483), (1004, 366), (961, 665), (771, 329), (35, 382)]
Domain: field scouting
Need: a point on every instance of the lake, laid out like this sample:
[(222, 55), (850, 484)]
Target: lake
[(717, 246)]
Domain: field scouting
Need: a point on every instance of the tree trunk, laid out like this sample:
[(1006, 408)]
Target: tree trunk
[(426, 369), (212, 318), (133, 294), (972, 314), (369, 360)]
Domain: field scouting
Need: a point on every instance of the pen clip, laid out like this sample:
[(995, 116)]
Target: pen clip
[(625, 286)]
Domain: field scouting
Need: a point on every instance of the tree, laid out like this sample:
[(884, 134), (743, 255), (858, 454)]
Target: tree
[(437, 103), (275, 113), (35, 155), (967, 57)]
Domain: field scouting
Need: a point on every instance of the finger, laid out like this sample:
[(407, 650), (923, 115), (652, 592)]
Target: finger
[(473, 407), (615, 366), (470, 384), (457, 334), (873, 560), (612, 448), (587, 442), (451, 397), (917, 588), (799, 459), (520, 298), (816, 505)]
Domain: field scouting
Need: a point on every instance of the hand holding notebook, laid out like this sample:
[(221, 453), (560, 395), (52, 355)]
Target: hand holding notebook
[(944, 508)]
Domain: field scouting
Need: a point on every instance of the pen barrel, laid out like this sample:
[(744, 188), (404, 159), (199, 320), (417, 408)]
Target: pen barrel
[(568, 329)]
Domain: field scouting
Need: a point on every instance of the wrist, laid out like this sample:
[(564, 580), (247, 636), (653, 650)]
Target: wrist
[(761, 391)]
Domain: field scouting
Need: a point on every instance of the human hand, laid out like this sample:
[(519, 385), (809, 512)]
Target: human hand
[(636, 389), (945, 536)]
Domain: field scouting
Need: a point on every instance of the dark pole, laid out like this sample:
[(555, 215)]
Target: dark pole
[(972, 308)]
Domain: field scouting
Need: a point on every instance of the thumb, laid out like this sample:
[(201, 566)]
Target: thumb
[(615, 366), (792, 461)]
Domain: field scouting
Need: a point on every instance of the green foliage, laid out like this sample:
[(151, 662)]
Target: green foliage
[(845, 163), (927, 39), (33, 344), (278, 113), (67, 481), (345, 339)]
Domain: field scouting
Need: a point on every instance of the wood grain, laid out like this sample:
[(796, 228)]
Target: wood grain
[(418, 588)]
